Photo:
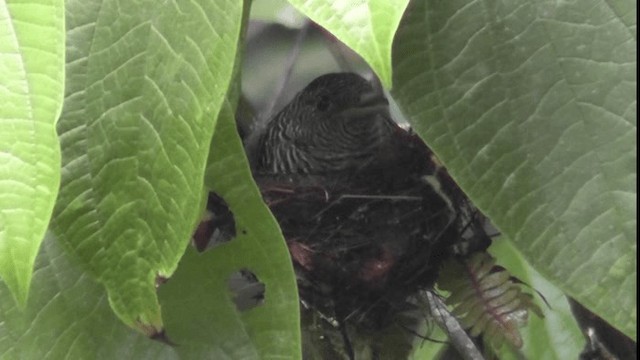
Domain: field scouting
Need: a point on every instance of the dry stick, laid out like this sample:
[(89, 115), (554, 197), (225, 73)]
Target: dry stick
[(417, 334), (367, 197), (330, 320), (347, 342), (450, 325), (380, 197)]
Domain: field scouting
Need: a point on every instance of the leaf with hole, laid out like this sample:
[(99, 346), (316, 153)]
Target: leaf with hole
[(144, 91)]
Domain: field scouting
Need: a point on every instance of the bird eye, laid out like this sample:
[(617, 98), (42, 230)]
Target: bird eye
[(323, 103)]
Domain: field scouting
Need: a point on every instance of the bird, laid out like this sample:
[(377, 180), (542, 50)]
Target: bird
[(348, 185), (367, 211), (337, 123)]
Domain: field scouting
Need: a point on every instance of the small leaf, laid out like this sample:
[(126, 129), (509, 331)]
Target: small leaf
[(473, 312), (459, 295), (31, 88), (496, 307), (493, 280), (479, 326), (480, 265), (504, 298), (557, 336), (511, 310)]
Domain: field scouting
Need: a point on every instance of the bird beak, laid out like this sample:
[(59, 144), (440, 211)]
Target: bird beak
[(370, 104), (373, 98)]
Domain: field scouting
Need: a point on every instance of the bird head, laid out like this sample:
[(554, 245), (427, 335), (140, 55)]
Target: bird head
[(338, 122), (339, 97)]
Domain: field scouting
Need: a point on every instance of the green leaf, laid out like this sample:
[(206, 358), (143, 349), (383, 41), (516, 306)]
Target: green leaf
[(199, 311), (496, 307), (271, 329), (531, 106), (428, 349), (557, 336), (68, 317), (146, 81), (277, 11), (367, 27), (202, 320), (31, 88)]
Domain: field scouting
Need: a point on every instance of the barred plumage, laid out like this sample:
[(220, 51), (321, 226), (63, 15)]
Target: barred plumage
[(339, 122)]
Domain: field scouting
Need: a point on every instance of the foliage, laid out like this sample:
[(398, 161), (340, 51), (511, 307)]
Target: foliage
[(529, 104), (557, 336), (486, 299), (531, 107), (31, 86)]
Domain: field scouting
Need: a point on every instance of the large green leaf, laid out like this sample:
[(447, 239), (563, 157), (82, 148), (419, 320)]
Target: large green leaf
[(366, 26), (531, 105), (68, 317), (31, 89), (146, 80)]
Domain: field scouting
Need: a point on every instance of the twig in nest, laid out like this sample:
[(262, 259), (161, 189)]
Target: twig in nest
[(447, 322)]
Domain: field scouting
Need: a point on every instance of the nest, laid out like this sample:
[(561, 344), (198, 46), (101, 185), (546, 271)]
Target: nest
[(364, 242)]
